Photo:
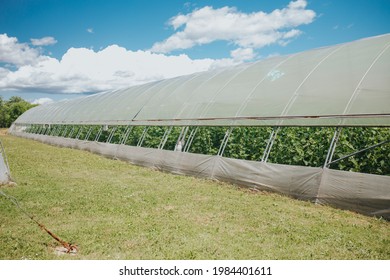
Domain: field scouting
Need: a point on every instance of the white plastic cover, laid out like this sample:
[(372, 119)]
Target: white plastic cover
[(342, 85), (4, 169)]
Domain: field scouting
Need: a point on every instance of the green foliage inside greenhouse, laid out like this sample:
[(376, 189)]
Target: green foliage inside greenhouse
[(304, 146)]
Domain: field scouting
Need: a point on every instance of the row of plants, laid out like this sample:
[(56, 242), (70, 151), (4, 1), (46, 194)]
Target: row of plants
[(305, 146)]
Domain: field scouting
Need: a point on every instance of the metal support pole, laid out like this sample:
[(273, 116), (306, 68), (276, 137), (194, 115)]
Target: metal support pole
[(71, 132), (65, 131), (181, 133), (358, 152), (88, 134), (79, 132), (190, 139), (181, 138), (165, 138), (270, 143), (32, 128), (45, 130), (332, 147), (98, 134), (141, 140), (58, 131), (126, 135), (184, 135), (225, 141), (52, 132), (111, 134), (49, 131), (40, 129), (76, 131)]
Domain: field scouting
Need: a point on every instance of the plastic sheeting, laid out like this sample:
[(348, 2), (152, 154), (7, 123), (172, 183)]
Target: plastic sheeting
[(364, 193), (4, 170), (342, 85)]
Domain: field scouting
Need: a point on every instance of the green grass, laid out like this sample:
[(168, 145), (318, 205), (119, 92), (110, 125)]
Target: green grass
[(114, 210)]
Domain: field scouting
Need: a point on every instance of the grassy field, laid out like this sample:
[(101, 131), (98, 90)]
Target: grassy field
[(114, 210)]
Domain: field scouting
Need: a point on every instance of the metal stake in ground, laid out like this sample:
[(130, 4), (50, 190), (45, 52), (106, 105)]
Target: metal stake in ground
[(70, 248)]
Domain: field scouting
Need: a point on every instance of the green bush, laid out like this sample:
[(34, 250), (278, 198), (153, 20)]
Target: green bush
[(10, 110)]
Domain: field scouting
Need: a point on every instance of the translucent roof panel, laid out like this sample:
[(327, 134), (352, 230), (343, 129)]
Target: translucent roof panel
[(342, 85)]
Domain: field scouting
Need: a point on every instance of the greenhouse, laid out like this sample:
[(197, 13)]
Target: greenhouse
[(5, 176), (275, 125)]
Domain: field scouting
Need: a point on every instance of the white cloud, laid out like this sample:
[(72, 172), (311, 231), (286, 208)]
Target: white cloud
[(43, 100), (292, 34), (242, 54), (298, 4), (45, 41), (85, 70), (24, 67), (13, 52), (246, 30)]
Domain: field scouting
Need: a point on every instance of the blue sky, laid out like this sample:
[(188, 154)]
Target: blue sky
[(57, 49)]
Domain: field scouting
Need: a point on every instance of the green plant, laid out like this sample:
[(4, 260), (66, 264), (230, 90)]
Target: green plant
[(305, 146)]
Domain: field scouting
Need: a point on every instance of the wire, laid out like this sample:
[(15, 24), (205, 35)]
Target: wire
[(70, 248)]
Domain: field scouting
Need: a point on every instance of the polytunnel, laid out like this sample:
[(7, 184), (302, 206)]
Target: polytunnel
[(346, 85)]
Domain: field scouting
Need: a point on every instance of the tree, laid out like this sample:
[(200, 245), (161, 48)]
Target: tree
[(4, 116), (10, 110)]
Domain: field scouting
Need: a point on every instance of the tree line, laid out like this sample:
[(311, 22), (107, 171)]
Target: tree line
[(11, 109)]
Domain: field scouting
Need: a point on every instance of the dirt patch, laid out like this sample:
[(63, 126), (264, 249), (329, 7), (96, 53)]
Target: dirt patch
[(61, 250), (9, 184), (3, 131)]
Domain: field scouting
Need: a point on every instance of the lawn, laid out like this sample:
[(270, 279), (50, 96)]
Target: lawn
[(115, 210)]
